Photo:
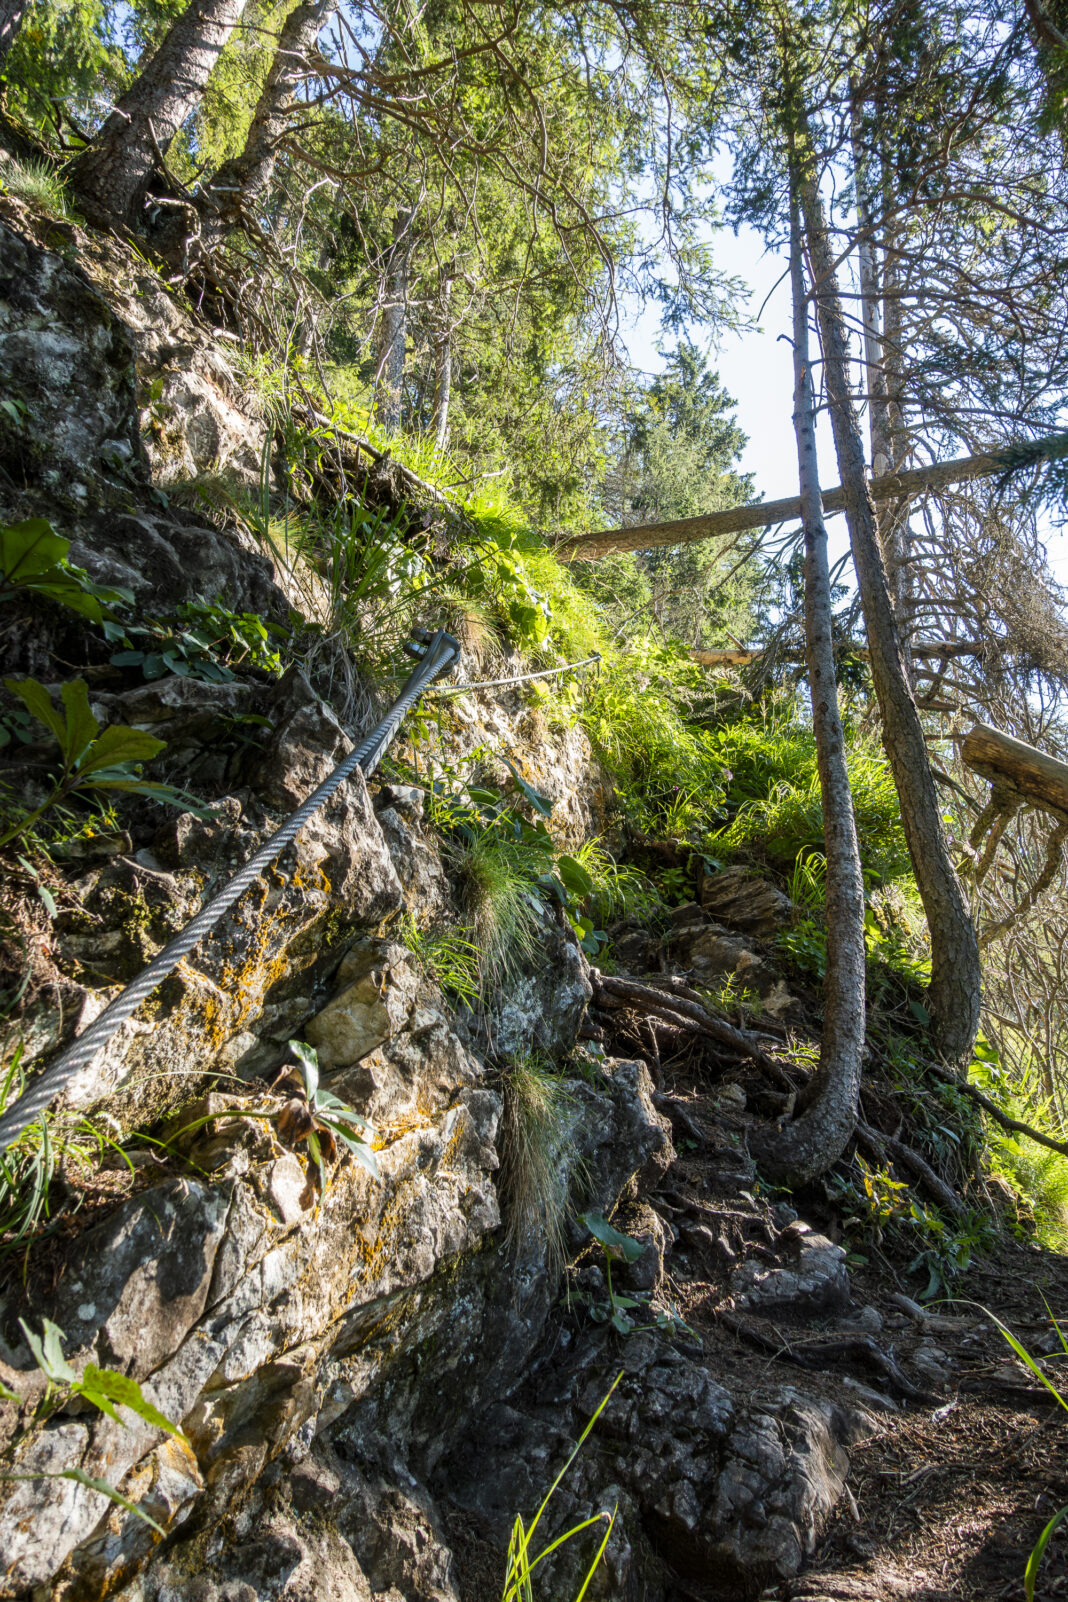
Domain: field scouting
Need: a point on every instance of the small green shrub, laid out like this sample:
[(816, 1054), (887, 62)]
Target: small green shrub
[(1037, 1176), (103, 1388), (775, 796), (202, 640), (91, 759)]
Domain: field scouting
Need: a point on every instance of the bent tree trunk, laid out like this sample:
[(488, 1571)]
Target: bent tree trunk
[(113, 173), (808, 1146), (238, 185), (955, 975), (910, 482)]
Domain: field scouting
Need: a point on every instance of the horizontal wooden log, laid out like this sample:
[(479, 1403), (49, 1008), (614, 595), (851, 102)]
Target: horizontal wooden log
[(735, 656), (1040, 779), (766, 514)]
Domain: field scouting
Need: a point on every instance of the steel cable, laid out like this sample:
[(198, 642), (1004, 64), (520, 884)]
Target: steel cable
[(439, 653)]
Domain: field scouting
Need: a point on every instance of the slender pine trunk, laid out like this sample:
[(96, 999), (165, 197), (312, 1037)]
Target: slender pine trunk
[(393, 330), (805, 1148), (113, 174), (955, 978), (443, 368)]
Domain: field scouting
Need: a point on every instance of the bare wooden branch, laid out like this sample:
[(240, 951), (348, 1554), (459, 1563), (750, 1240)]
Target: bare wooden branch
[(1013, 1126), (765, 514), (1040, 779)]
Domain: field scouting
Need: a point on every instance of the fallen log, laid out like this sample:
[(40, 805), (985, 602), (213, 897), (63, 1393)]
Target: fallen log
[(738, 656), (766, 514), (1040, 779)]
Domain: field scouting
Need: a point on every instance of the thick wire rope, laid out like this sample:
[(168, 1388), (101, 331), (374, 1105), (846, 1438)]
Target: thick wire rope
[(440, 653), (521, 678)]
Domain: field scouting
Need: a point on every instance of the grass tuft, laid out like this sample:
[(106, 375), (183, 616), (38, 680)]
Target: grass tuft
[(37, 183), (538, 1157)]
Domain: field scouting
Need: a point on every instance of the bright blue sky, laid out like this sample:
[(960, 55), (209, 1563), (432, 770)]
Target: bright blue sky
[(756, 369)]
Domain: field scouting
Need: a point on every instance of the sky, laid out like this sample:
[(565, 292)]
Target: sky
[(756, 369)]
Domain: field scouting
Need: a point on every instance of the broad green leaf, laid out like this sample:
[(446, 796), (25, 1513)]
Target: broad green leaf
[(362, 1153), (119, 744), (332, 1105), (80, 1477), (308, 1058), (30, 548), (49, 1355), (69, 592), (37, 698), (82, 728), (575, 876), (539, 802), (619, 1245), (97, 1383)]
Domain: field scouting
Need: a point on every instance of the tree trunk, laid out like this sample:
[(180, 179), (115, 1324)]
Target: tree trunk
[(393, 332), (892, 517), (955, 975), (443, 369), (807, 1147), (765, 514), (112, 175), (11, 15), (240, 182)]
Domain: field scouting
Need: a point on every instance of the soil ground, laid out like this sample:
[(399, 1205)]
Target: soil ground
[(947, 1497)]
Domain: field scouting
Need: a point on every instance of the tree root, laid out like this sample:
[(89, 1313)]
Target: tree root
[(685, 1009), (1013, 1126), (817, 1351), (881, 1146)]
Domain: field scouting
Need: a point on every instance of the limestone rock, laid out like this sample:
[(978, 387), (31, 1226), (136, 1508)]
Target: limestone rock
[(728, 1492), (541, 1010), (742, 900), (810, 1280)]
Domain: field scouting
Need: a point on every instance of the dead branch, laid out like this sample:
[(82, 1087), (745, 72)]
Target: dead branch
[(681, 1010), (1012, 1126), (765, 514)]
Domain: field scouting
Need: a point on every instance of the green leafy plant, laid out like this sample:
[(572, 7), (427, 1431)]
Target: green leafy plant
[(103, 1388), (90, 758), (318, 1118), (310, 1116), (34, 557), (518, 1586), (616, 1248), (202, 641)]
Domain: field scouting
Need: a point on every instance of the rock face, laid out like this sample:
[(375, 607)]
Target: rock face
[(356, 1363), (727, 1492)]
